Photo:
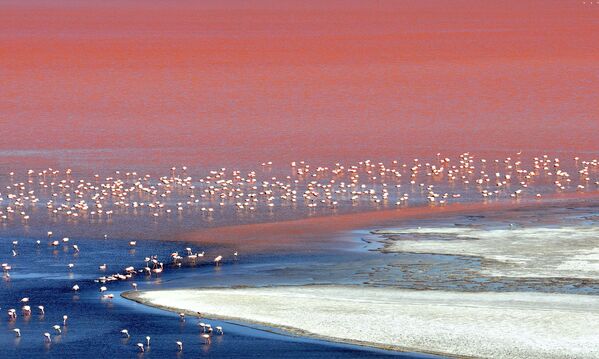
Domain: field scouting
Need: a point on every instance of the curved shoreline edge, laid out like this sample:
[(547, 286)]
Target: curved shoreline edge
[(289, 331), (274, 228), (446, 323), (283, 235)]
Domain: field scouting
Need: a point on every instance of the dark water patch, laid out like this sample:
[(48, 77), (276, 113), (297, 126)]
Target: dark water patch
[(93, 328)]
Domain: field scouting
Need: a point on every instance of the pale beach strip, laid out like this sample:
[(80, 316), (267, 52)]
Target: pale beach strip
[(459, 324)]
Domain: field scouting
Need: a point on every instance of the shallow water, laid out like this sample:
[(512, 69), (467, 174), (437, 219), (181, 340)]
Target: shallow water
[(40, 272), (148, 85), (94, 324), (45, 201)]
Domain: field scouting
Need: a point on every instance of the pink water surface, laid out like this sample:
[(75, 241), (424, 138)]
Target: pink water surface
[(249, 81)]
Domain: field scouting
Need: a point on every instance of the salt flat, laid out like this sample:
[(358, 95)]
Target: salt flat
[(497, 325), (565, 252)]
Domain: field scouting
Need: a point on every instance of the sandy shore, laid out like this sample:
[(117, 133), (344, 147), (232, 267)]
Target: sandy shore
[(497, 325)]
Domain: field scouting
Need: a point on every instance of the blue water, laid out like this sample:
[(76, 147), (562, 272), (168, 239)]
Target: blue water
[(40, 272)]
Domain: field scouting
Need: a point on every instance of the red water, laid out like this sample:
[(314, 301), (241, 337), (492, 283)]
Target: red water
[(249, 81), (318, 231)]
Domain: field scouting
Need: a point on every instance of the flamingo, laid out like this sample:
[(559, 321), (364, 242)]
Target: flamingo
[(57, 329), (125, 332), (180, 345), (17, 332), (158, 269), (47, 337), (141, 347), (217, 260), (64, 320)]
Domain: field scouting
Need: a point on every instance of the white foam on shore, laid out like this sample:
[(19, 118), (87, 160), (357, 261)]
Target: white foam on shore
[(570, 252), (498, 325)]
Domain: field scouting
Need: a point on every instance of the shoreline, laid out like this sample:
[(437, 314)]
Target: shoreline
[(319, 230), (284, 235), (289, 331), (421, 312)]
